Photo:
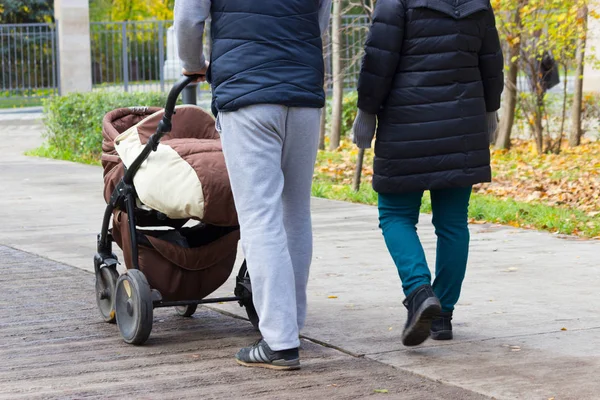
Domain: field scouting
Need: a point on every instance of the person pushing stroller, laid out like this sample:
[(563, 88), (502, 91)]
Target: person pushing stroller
[(268, 95)]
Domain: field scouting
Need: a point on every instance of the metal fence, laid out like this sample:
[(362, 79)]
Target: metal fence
[(136, 56), (353, 36), (28, 62), (131, 55), (142, 56)]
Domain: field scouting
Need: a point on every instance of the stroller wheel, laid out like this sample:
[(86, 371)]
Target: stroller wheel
[(133, 307), (186, 311), (106, 282), (243, 289)]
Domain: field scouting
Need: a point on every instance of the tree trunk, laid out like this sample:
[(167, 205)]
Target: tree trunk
[(509, 106), (558, 144), (507, 117), (539, 137), (538, 128), (208, 39), (323, 126), (575, 134), (326, 90), (338, 89), (361, 152)]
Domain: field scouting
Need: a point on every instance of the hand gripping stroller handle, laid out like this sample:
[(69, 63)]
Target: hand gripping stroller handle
[(174, 95), (164, 126)]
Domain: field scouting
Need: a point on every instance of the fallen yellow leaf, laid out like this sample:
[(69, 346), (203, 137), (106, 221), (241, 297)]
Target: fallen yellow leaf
[(563, 329), (381, 391), (332, 297)]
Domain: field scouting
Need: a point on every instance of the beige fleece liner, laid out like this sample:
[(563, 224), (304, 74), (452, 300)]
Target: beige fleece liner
[(165, 182)]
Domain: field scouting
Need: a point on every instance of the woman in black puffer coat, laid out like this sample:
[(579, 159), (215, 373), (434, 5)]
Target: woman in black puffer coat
[(431, 81)]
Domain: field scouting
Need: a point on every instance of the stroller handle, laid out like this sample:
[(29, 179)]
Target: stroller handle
[(164, 126), (175, 92)]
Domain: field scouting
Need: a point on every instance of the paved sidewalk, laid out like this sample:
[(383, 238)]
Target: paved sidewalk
[(21, 116), (527, 326), (53, 345)]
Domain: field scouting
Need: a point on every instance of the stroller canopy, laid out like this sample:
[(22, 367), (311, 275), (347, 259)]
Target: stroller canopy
[(185, 178)]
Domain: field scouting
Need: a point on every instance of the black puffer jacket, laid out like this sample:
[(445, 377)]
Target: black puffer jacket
[(431, 71)]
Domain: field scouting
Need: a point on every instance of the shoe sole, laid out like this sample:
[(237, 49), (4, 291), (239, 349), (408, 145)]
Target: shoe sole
[(442, 335), (420, 329), (269, 366)]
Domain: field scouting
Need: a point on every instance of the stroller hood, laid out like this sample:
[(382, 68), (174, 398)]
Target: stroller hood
[(185, 177)]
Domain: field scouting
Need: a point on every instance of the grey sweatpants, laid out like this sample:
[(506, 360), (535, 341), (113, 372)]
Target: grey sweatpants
[(270, 153)]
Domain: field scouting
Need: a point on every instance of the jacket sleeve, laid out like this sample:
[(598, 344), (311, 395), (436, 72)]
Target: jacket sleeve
[(324, 14), (491, 64), (382, 55), (189, 19)]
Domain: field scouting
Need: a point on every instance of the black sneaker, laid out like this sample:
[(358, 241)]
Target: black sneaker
[(423, 307), (261, 355), (441, 328)]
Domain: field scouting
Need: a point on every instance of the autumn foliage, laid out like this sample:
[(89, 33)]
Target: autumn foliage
[(131, 10), (533, 30), (569, 179), (568, 183)]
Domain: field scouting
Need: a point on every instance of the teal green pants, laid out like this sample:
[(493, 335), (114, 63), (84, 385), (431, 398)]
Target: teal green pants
[(398, 218)]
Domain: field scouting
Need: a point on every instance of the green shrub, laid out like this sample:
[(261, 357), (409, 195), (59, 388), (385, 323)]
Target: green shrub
[(349, 110), (74, 122), (26, 93)]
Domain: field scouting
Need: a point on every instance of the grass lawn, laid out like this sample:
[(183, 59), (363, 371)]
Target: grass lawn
[(49, 151), (18, 102)]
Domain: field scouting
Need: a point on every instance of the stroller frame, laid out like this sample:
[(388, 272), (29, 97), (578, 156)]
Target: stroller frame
[(134, 315)]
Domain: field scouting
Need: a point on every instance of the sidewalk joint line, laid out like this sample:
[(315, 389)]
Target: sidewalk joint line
[(334, 347), (456, 343)]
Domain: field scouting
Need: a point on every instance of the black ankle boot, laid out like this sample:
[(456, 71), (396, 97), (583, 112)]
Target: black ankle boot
[(441, 328), (423, 307)]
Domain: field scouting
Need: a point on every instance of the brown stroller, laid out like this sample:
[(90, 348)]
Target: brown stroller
[(172, 213)]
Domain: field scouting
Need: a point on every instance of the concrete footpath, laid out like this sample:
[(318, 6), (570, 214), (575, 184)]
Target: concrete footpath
[(527, 326), (53, 346)]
